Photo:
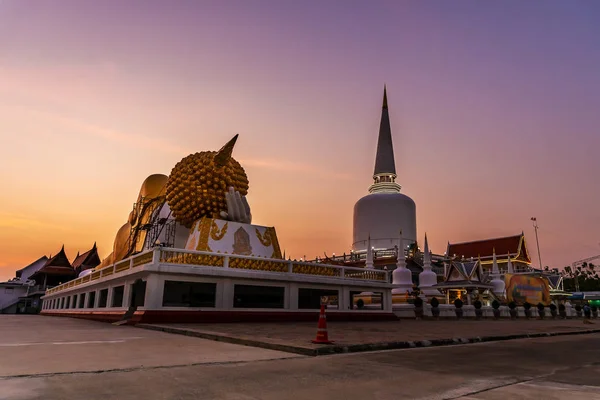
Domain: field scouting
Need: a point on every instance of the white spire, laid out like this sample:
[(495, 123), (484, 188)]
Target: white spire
[(426, 255), (428, 278), (510, 267), (495, 269), (400, 261)]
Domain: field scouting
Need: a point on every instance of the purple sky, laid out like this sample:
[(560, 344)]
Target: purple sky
[(495, 112)]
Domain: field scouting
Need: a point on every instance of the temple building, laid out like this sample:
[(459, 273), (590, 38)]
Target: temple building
[(513, 247), (14, 293), (465, 280), (381, 216), (55, 271), (86, 261), (188, 251)]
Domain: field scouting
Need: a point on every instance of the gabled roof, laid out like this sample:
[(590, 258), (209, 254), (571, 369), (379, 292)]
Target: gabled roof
[(463, 271), (88, 259), (30, 269), (512, 245), (58, 265)]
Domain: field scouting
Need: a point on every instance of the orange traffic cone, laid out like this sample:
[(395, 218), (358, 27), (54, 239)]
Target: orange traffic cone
[(322, 337)]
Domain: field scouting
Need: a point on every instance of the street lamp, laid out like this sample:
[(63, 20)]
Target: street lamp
[(535, 226)]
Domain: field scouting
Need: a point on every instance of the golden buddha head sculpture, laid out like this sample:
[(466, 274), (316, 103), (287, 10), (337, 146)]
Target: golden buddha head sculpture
[(197, 184)]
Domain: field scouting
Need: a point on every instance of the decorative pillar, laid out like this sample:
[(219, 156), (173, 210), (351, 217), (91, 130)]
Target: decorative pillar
[(369, 263)]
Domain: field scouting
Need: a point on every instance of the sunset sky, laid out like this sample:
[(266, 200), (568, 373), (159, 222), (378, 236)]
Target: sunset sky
[(494, 106)]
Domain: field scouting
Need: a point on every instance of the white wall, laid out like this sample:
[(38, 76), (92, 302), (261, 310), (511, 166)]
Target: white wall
[(10, 294)]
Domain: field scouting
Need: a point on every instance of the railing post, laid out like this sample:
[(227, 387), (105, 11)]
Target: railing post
[(226, 262), (290, 267), (343, 273), (156, 255)]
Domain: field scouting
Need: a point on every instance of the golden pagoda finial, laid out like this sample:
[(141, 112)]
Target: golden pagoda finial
[(224, 154), (384, 97)]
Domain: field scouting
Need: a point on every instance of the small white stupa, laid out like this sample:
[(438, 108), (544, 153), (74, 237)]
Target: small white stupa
[(510, 267), (497, 282), (401, 277), (428, 278)]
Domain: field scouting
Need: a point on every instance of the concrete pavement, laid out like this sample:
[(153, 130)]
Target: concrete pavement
[(32, 345), (561, 367)]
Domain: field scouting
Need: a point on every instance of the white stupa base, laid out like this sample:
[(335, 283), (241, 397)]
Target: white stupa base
[(402, 289), (402, 281)]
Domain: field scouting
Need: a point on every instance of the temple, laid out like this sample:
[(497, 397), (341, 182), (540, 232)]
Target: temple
[(189, 251), (86, 261), (505, 248)]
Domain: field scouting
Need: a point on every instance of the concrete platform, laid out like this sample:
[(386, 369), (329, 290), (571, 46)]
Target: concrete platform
[(38, 345), (369, 336)]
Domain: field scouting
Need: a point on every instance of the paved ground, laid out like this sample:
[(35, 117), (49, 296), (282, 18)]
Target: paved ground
[(356, 333), (561, 367), (32, 345)]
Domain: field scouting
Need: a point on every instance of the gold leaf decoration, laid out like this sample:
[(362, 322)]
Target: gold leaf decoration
[(217, 234)]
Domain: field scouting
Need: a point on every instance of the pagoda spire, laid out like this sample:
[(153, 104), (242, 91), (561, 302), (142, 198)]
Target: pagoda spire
[(426, 255), (495, 269), (384, 160), (384, 174)]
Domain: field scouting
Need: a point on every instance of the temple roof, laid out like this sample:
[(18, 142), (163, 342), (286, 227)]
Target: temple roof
[(384, 160), (463, 271), (485, 248), (59, 265), (39, 261), (90, 259)]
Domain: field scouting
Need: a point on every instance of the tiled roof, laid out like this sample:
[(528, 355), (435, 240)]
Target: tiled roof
[(90, 258), (59, 264), (485, 248)]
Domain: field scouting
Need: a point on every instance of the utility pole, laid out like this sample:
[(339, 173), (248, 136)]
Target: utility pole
[(535, 226)]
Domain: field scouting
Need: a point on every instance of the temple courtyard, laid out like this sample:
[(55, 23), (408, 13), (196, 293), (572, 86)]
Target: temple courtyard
[(62, 358)]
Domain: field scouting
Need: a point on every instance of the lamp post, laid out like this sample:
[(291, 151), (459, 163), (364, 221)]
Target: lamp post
[(535, 226)]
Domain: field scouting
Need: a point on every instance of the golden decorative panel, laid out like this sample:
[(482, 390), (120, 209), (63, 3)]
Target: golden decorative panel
[(204, 226), (320, 270), (258, 265), (142, 259), (217, 234), (172, 257), (122, 266)]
